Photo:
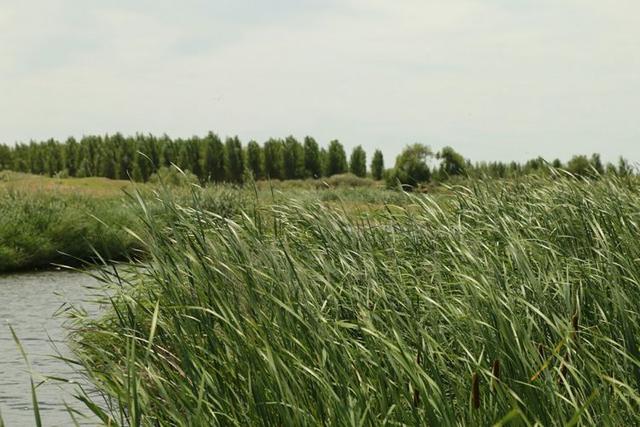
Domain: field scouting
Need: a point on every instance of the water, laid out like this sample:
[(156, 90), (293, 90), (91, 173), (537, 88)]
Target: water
[(28, 302)]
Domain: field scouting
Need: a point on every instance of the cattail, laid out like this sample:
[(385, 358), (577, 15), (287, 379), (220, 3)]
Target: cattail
[(416, 397), (416, 392), (495, 372), (475, 391)]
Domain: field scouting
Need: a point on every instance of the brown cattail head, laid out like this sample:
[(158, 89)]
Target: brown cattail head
[(416, 398), (475, 391), (416, 392), (495, 372)]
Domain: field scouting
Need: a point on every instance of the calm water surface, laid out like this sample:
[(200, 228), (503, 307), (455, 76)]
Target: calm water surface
[(28, 302)]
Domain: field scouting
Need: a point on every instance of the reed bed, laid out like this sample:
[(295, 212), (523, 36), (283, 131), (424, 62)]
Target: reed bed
[(517, 304)]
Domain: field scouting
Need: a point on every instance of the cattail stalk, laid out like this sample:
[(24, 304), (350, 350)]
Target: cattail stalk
[(495, 372), (475, 391), (416, 392)]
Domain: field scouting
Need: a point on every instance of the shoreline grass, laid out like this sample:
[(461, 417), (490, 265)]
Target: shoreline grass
[(46, 221)]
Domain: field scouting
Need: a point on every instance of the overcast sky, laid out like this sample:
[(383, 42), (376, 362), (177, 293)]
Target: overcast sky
[(495, 79)]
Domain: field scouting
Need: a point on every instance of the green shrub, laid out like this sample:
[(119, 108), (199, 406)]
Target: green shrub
[(172, 176)]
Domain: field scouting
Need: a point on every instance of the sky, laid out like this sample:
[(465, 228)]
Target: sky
[(495, 79)]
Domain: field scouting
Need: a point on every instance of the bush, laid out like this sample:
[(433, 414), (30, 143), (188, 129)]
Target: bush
[(344, 180), (58, 228), (172, 176)]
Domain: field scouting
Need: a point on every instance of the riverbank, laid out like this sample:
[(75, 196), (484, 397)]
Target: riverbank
[(40, 227), (47, 221)]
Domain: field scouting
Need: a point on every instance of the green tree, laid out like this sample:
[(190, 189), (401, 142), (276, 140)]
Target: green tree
[(336, 159), (149, 146), (624, 168), (254, 159), (126, 157), (324, 162), (107, 158), (580, 166), (377, 165), (213, 158), (358, 162), (273, 159), (451, 163), (70, 156), (411, 168), (312, 163), (53, 157), (596, 164), (234, 161), (170, 152), (6, 157), (188, 157), (293, 158)]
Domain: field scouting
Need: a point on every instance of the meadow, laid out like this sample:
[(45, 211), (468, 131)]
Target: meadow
[(515, 304)]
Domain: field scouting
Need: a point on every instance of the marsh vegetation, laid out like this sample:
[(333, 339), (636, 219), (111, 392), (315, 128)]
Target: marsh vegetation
[(306, 303), (515, 304)]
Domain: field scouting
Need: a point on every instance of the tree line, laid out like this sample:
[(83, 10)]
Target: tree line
[(209, 158), (418, 164), (212, 159)]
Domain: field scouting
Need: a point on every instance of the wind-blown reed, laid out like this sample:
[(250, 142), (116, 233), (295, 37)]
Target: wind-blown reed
[(516, 303)]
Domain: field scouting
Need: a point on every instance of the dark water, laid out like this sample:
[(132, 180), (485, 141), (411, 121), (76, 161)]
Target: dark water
[(28, 302)]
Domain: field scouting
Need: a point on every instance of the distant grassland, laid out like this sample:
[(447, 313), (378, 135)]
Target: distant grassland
[(97, 187), (46, 220)]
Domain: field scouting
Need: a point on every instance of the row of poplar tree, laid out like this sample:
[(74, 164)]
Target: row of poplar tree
[(209, 158)]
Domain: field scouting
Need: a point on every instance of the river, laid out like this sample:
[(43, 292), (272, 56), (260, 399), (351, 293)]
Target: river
[(28, 303)]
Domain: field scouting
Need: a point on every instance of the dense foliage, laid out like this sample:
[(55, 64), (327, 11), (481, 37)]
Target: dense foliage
[(212, 160), (208, 158), (516, 302), (38, 228)]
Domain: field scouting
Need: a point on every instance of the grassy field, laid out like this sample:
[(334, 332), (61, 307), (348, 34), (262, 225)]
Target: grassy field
[(514, 305)]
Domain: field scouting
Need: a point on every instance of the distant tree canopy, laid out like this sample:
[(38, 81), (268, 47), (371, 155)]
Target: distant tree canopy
[(234, 160), (255, 159), (452, 163), (273, 159), (336, 159), (312, 160), (411, 168), (377, 165), (293, 157), (209, 159), (358, 162)]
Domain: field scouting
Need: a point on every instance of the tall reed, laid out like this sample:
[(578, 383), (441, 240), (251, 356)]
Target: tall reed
[(295, 314)]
